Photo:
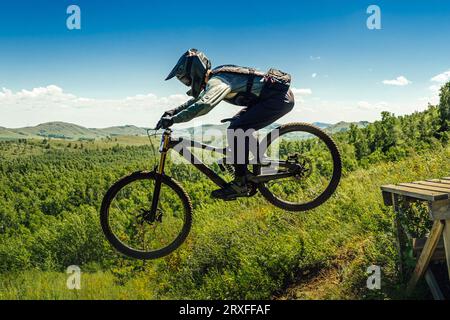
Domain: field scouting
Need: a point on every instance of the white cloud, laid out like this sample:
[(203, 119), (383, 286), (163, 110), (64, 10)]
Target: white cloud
[(364, 105), (399, 81), (434, 88), (442, 77), (301, 92), (437, 82), (51, 103), (50, 92), (332, 111), (314, 75), (314, 58)]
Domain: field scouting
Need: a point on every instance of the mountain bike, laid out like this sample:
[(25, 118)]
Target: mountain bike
[(148, 214)]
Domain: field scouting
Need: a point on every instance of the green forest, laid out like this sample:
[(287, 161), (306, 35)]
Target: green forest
[(51, 191)]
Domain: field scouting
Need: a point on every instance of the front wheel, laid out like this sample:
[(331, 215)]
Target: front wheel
[(311, 155), (129, 223)]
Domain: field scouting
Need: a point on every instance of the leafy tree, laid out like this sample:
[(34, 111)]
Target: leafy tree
[(444, 108)]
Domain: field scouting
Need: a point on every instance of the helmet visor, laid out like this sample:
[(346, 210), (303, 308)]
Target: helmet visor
[(185, 79)]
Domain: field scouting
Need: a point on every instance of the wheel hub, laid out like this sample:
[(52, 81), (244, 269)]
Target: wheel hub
[(149, 216), (303, 166)]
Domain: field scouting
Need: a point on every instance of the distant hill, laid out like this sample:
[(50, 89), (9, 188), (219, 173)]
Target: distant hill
[(127, 130), (70, 131), (322, 125), (344, 126), (8, 134), (60, 130)]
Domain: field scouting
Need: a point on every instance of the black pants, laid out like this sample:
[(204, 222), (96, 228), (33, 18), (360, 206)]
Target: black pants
[(269, 107)]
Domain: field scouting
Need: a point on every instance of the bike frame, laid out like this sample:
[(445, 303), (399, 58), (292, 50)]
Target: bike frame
[(167, 143), (183, 144)]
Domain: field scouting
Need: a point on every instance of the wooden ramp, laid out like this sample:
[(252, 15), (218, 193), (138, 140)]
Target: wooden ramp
[(436, 192)]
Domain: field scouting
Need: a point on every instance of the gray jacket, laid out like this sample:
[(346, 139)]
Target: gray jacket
[(223, 86)]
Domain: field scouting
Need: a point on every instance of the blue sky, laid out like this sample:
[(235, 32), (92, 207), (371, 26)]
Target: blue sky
[(110, 70)]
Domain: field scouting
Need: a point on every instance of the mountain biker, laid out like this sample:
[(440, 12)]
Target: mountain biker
[(264, 97)]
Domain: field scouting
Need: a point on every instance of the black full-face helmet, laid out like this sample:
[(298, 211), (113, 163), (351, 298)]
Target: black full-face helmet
[(191, 70)]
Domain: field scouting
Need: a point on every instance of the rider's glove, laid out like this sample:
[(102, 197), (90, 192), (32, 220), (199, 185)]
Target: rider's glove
[(164, 123), (168, 113)]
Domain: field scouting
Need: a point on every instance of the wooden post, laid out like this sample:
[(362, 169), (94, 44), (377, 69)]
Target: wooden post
[(425, 256), (446, 235), (433, 285), (398, 229)]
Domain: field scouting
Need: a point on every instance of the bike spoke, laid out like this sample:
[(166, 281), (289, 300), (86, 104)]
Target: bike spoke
[(280, 181), (311, 159), (127, 210)]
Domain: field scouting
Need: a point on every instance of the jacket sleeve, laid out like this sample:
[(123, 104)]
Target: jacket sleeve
[(182, 107), (216, 91)]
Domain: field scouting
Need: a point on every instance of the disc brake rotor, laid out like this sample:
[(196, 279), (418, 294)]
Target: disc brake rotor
[(147, 216), (304, 166)]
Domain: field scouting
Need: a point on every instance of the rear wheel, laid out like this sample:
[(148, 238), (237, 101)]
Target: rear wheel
[(131, 227), (313, 158)]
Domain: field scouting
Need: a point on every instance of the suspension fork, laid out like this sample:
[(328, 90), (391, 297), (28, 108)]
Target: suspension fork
[(160, 171)]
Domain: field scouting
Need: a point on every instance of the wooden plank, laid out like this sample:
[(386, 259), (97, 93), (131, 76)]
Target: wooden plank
[(440, 210), (415, 193), (435, 184), (446, 236), (439, 181), (433, 285), (425, 256), (424, 187)]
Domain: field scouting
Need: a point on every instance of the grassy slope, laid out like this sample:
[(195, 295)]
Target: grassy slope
[(8, 134), (248, 249)]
